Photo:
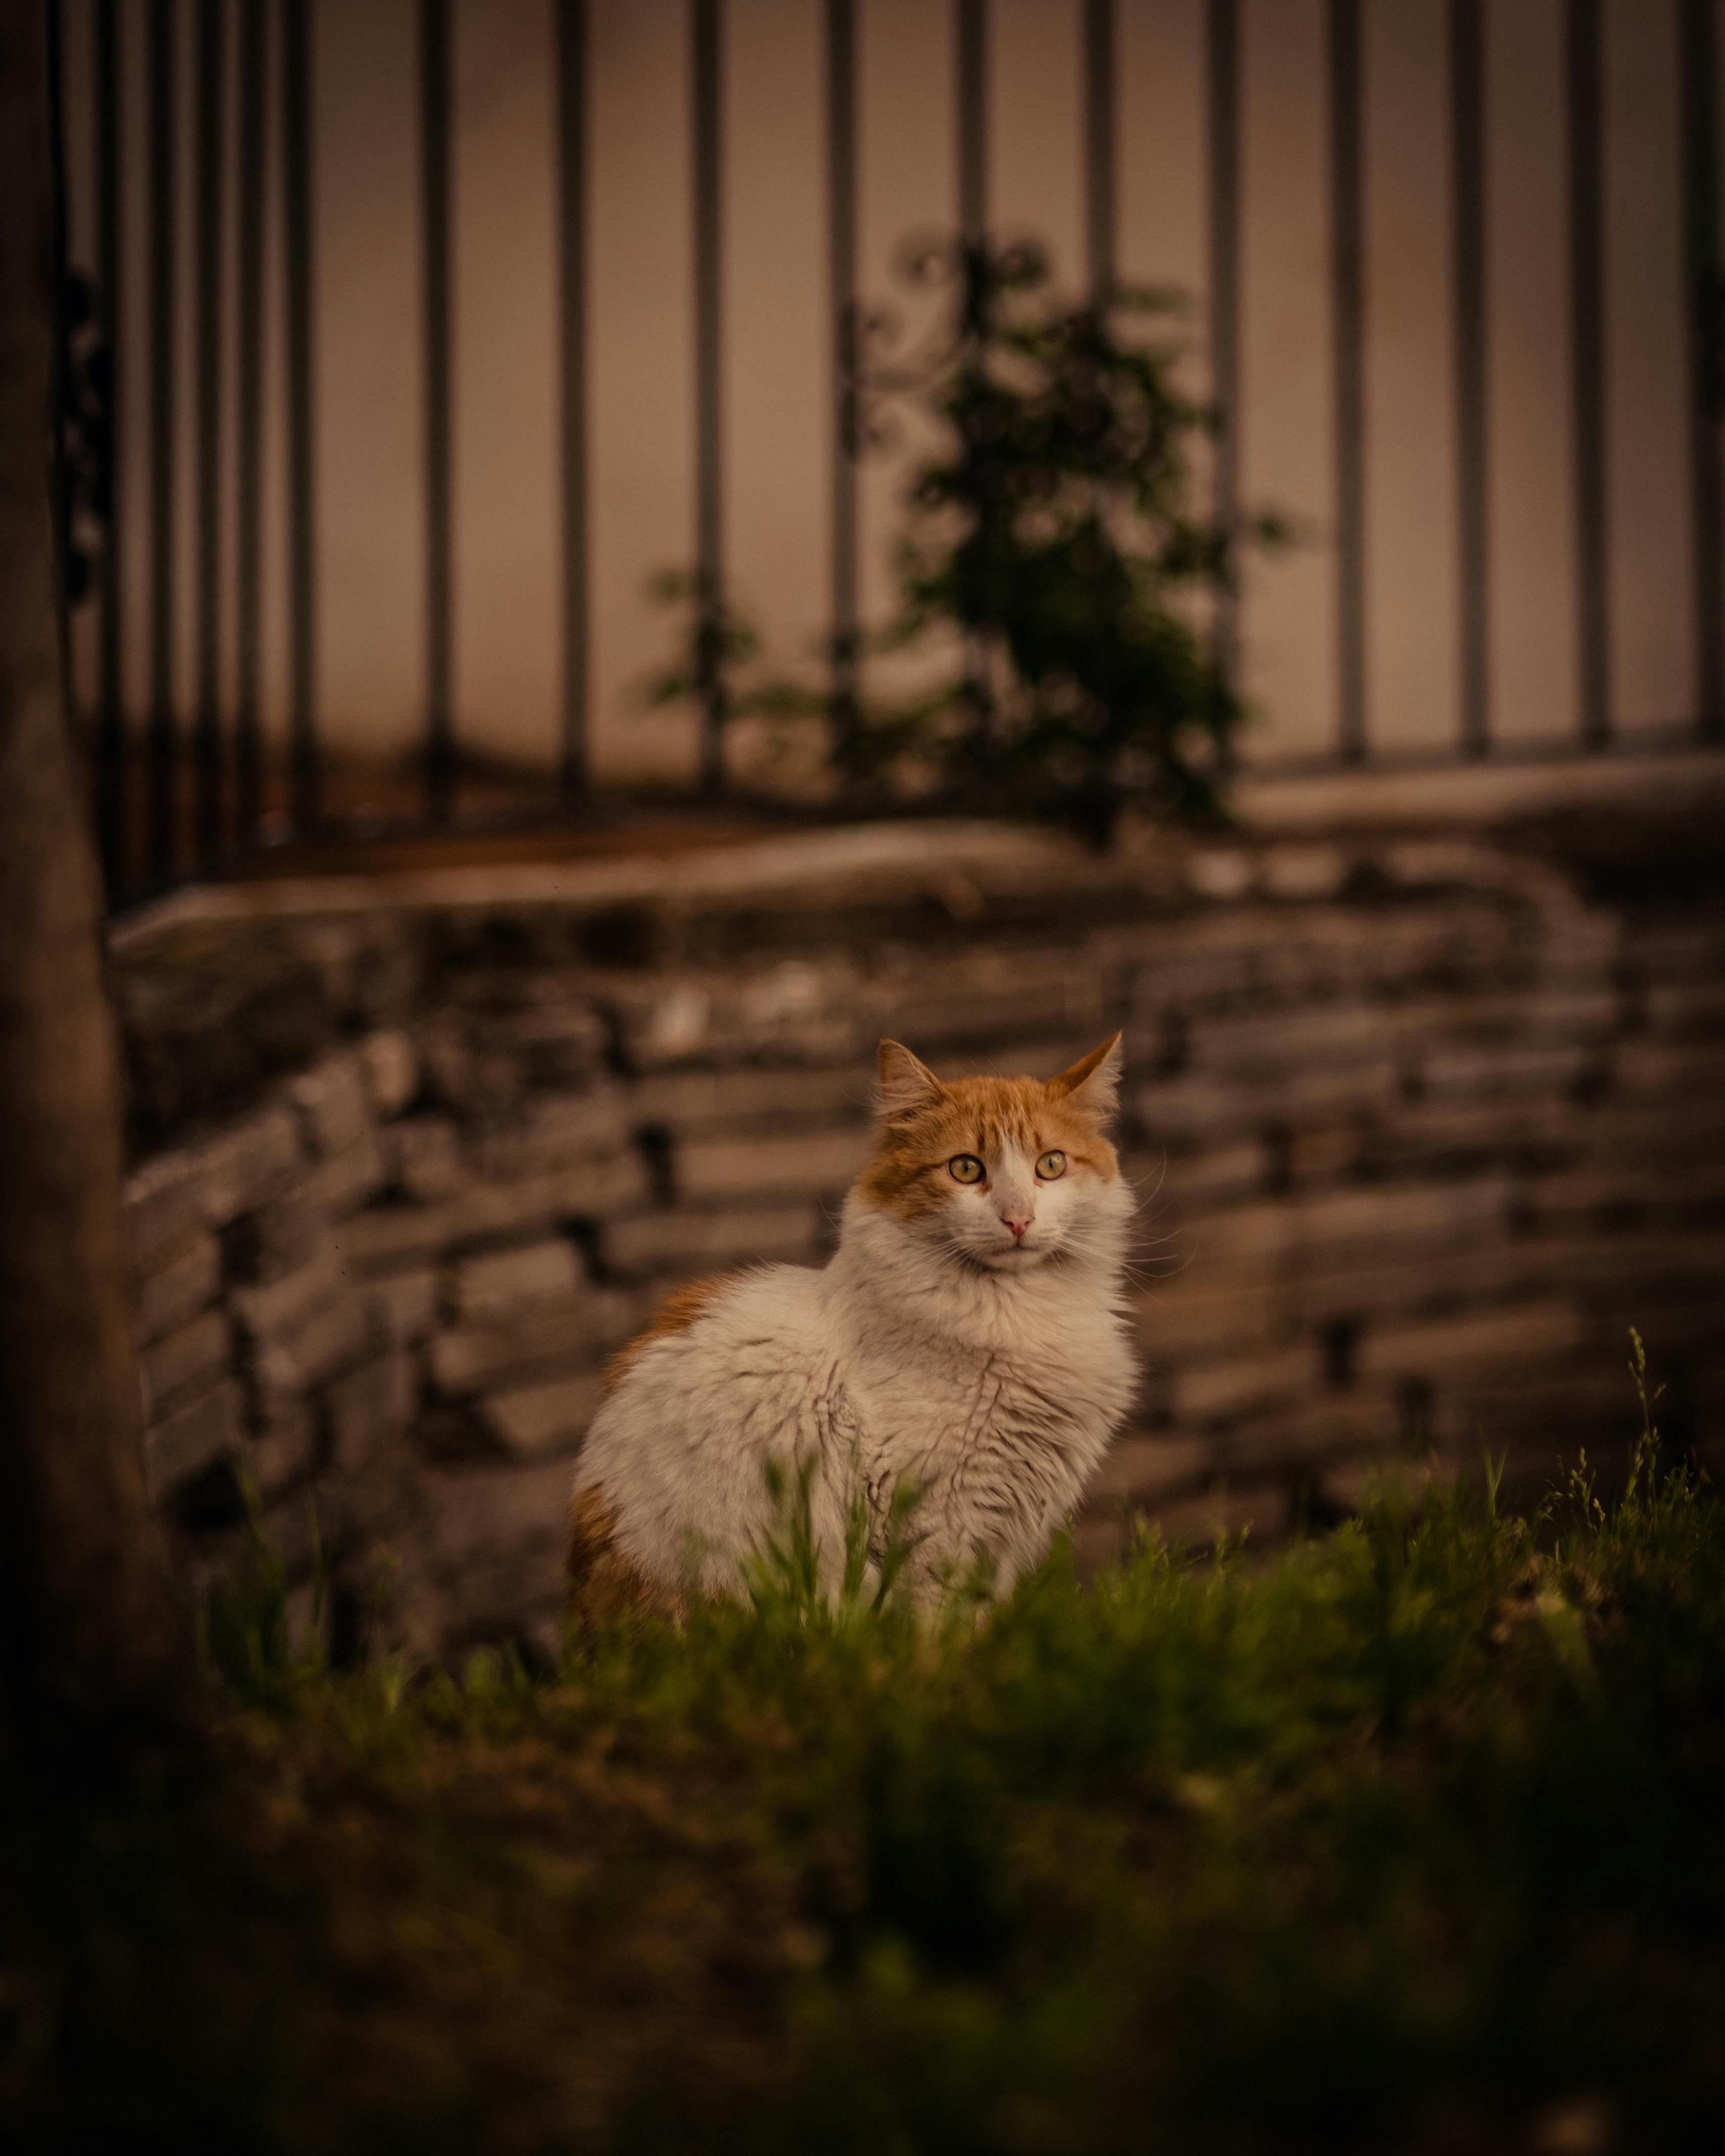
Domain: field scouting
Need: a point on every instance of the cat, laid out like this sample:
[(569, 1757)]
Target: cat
[(968, 1336)]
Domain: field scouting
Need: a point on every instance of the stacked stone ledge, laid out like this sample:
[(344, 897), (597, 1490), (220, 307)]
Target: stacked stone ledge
[(1417, 1135)]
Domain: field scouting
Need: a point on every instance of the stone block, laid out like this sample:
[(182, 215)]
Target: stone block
[(1195, 1321), (543, 1341), (172, 1293), (1668, 950), (561, 1042), (1019, 1057), (498, 1539), (1211, 1175), (720, 1171), (1258, 1511), (1652, 1268), (1443, 1349), (1349, 1284), (191, 1358), (1203, 1109), (531, 1420), (391, 1070), (1543, 1017), (1271, 1047), (333, 1104), (1553, 1413), (504, 1281), (331, 1340), (1292, 1433), (253, 1161), (185, 1440), (1262, 954), (704, 1104), (1319, 1153), (1668, 1070), (664, 1024), (556, 1132), (286, 1449), (408, 1302), (368, 1407), (1389, 1224), (468, 1063), (164, 1203), (1352, 1485), (1099, 1542), (1611, 1133), (1447, 1139), (279, 1237), (1303, 871), (793, 1012), (996, 997), (389, 1239), (423, 1157), (1644, 1190), (1489, 1073), (1145, 1470), (688, 1242), (1222, 875), (1218, 1391), (342, 1181), (279, 1307), (516, 1512)]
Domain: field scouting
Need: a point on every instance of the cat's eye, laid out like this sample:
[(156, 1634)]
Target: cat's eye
[(966, 1168), (1051, 1166)]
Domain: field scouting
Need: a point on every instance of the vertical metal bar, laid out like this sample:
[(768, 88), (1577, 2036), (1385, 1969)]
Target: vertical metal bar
[(162, 744), (572, 263), (1467, 173), (1702, 302), (1347, 329), (54, 42), (208, 733), (249, 449), (434, 151), (110, 721), (1587, 359), (971, 76), (434, 156), (706, 31), (298, 236), (1222, 37), (1099, 158), (972, 82), (841, 269)]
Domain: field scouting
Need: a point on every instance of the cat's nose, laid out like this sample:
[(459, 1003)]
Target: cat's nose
[(1018, 1222)]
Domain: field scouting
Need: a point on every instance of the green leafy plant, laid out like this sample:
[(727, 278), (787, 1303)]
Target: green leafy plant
[(1053, 531), (1051, 538)]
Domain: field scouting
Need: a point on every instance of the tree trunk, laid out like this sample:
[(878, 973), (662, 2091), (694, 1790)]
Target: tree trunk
[(92, 1646)]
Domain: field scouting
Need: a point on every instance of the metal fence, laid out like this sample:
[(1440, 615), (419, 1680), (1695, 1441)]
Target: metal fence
[(173, 799)]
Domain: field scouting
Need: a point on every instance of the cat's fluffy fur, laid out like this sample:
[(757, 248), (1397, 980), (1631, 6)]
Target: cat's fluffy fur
[(968, 1336)]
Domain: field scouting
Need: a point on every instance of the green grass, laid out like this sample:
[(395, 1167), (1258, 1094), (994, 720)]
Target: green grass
[(1412, 1839)]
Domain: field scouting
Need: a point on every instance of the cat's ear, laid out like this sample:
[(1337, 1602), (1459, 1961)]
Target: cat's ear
[(1093, 1082), (907, 1086)]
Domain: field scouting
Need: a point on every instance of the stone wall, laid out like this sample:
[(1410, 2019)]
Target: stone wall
[(1417, 1132)]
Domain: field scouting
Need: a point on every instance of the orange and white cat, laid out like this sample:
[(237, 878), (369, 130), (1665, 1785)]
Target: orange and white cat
[(969, 1336)]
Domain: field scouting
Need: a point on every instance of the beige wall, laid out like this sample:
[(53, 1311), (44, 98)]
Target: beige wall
[(777, 345)]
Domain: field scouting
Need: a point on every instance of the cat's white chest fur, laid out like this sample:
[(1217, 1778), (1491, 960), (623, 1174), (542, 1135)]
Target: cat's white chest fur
[(995, 1393)]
